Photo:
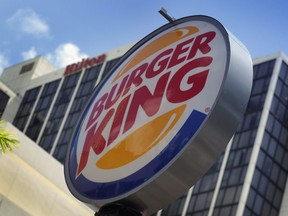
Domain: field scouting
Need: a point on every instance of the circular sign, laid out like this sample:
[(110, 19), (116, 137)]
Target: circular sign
[(161, 117)]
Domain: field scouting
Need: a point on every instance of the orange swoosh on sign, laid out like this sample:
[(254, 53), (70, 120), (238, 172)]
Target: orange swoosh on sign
[(135, 145), (156, 45)]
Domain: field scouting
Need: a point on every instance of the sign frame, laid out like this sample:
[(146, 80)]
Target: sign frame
[(203, 148)]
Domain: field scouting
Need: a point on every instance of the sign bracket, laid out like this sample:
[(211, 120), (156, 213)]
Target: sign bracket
[(164, 13)]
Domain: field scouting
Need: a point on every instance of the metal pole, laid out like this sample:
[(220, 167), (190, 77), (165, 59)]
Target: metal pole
[(164, 13), (119, 209)]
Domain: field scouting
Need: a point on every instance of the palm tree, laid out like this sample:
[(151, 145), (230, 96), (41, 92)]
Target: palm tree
[(7, 141)]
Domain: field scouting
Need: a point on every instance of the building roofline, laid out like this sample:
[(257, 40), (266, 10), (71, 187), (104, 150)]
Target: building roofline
[(272, 56), (23, 62)]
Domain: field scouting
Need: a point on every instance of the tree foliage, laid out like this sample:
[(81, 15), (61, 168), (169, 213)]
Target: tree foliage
[(7, 141)]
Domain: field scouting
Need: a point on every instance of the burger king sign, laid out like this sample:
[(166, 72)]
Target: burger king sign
[(161, 117)]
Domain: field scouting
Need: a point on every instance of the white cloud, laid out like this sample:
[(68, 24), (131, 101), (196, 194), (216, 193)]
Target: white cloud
[(66, 54), (29, 54), (3, 62), (28, 21)]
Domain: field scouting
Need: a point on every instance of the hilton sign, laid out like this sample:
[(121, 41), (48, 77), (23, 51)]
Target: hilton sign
[(85, 63)]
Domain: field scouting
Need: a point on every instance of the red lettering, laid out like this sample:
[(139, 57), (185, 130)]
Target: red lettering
[(93, 61), (149, 102), (158, 64), (136, 77), (120, 106), (101, 58), (86, 150), (77, 67), (97, 110), (110, 101), (202, 43), (197, 81), (94, 140), (88, 63), (118, 120), (179, 51), (70, 69)]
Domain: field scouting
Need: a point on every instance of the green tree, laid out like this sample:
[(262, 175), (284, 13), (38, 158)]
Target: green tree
[(7, 141)]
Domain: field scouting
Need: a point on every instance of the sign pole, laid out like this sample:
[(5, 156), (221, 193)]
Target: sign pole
[(119, 209), (164, 13)]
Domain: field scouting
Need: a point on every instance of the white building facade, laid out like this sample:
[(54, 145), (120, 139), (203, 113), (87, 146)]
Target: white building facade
[(43, 105)]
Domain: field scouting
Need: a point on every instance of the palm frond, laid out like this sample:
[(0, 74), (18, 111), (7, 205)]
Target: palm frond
[(7, 141)]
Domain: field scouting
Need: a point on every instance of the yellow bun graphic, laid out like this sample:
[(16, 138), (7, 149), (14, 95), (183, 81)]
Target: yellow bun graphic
[(141, 141), (156, 45)]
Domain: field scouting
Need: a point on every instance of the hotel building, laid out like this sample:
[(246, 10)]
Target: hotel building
[(42, 105)]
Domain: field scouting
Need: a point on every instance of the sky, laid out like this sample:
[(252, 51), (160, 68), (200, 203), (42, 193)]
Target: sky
[(66, 31)]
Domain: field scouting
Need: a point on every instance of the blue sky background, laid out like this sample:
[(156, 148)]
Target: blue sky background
[(66, 31)]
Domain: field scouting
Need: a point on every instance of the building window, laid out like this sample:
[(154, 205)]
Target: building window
[(4, 98), (85, 89), (41, 109), (27, 68), (110, 64), (25, 108), (270, 176), (175, 209), (58, 111), (203, 191)]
